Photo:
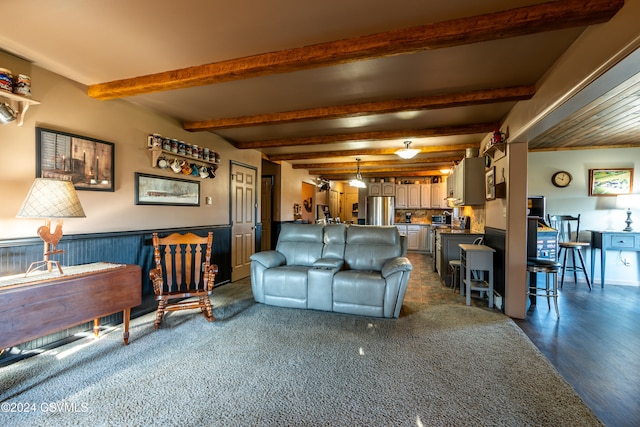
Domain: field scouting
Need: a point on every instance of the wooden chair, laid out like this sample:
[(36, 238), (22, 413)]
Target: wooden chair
[(181, 273), (569, 241)]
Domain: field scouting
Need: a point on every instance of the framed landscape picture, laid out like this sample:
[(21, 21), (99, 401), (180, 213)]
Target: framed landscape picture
[(162, 190), (87, 162), (610, 182)]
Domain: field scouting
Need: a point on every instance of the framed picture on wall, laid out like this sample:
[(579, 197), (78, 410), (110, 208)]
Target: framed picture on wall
[(490, 184), (87, 162), (163, 190), (610, 182)]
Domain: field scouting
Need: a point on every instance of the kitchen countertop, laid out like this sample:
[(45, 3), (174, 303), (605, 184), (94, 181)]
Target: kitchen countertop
[(449, 230)]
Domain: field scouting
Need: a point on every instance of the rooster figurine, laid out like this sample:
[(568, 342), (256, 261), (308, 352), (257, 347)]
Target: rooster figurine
[(51, 238)]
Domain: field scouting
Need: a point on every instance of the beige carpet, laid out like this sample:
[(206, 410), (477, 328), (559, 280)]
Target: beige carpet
[(257, 365)]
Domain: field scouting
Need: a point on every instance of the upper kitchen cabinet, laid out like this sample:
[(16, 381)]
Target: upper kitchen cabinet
[(382, 189), (439, 194), (466, 182), (425, 196), (408, 196)]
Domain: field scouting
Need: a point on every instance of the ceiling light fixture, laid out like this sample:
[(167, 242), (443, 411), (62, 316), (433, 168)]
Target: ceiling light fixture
[(357, 181), (406, 152)]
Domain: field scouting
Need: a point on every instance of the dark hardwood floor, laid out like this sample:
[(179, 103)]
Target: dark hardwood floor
[(595, 345)]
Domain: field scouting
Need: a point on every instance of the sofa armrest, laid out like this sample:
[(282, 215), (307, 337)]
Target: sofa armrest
[(394, 265), (329, 263), (269, 259)]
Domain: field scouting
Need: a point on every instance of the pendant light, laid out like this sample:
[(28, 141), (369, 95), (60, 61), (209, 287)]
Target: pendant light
[(357, 181), (406, 152)]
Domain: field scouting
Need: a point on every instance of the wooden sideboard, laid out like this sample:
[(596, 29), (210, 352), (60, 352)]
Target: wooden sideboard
[(46, 303)]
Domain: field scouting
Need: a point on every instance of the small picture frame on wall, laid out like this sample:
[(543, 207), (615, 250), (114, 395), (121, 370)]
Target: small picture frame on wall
[(610, 182), (87, 162), (168, 191), (490, 183)]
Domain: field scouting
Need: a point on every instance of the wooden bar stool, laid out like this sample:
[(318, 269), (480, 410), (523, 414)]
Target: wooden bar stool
[(550, 268)]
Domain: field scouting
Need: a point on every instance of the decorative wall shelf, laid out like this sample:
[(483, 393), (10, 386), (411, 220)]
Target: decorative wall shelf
[(19, 103), (491, 150), (156, 153)]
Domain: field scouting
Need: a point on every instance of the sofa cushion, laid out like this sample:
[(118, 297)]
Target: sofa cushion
[(369, 247), (335, 236), (289, 281), (301, 244), (358, 288)]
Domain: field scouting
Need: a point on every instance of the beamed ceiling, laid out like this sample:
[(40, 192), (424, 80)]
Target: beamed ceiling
[(319, 84)]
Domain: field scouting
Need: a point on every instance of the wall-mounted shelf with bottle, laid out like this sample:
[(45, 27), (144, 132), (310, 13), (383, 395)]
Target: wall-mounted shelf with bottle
[(19, 103)]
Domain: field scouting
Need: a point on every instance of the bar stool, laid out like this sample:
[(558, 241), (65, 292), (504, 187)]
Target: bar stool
[(549, 268), (454, 266), (568, 241)]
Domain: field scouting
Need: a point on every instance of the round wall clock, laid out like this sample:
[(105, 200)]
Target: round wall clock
[(561, 179)]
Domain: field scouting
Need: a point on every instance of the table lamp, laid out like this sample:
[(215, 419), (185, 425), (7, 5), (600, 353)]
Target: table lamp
[(628, 201), (50, 198)]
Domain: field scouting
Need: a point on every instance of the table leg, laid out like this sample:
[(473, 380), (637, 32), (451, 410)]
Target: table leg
[(126, 315), (603, 262), (468, 280), (593, 261), (491, 288)]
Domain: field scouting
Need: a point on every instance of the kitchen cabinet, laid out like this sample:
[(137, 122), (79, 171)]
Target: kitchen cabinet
[(401, 196), (467, 182), (413, 237), (425, 196), (382, 189), (408, 196), (413, 196), (438, 195), (426, 238)]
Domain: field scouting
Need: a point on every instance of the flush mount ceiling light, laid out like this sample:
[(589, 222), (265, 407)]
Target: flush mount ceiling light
[(406, 152), (357, 181)]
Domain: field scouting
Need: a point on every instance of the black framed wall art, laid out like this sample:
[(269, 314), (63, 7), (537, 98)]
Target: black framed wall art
[(87, 162)]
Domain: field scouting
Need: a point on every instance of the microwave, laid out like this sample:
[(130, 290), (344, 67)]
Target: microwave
[(441, 219)]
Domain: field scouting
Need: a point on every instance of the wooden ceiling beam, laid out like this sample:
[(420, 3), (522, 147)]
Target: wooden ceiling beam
[(417, 174), (367, 152), (380, 163), (371, 136), (450, 100), (553, 15), (379, 173)]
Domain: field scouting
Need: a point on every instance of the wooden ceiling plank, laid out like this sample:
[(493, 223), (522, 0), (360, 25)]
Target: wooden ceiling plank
[(451, 100), (554, 15), (371, 136)]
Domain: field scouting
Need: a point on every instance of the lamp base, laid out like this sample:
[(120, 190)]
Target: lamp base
[(39, 265), (628, 221)]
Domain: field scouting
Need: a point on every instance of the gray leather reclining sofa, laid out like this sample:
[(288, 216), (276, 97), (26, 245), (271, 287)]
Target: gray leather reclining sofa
[(349, 269)]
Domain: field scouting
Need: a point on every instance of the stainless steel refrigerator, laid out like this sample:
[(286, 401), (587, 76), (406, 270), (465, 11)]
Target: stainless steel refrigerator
[(380, 210)]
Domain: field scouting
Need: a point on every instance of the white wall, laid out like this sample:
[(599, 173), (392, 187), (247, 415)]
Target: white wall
[(596, 213), (66, 107)]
